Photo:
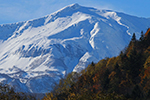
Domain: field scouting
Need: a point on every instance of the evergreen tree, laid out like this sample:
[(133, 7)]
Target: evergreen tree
[(133, 37), (92, 64), (134, 63), (117, 70), (106, 80), (142, 36)]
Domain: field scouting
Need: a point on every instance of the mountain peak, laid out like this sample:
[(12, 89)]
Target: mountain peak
[(75, 5), (72, 6), (46, 49)]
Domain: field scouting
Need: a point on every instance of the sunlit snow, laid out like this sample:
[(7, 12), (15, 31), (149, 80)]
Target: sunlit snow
[(37, 53)]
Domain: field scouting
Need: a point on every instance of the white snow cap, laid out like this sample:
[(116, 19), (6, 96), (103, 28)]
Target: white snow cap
[(37, 53)]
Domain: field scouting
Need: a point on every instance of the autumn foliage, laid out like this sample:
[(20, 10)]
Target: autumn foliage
[(125, 77)]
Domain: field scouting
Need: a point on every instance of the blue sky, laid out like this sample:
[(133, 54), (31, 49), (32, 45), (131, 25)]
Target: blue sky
[(12, 11)]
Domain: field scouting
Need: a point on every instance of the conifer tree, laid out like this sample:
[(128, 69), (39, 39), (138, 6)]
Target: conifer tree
[(106, 80), (133, 37), (142, 36)]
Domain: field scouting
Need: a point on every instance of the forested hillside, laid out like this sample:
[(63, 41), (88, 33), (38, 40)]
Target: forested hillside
[(8, 93), (125, 77)]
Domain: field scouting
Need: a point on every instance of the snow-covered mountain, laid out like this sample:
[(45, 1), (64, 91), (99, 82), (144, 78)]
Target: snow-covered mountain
[(37, 53)]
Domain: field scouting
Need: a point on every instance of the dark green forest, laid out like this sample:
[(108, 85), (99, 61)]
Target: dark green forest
[(125, 77)]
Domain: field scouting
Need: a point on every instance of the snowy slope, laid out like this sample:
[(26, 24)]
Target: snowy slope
[(37, 53)]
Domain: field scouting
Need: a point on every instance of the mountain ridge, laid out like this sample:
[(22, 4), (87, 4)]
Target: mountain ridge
[(37, 53)]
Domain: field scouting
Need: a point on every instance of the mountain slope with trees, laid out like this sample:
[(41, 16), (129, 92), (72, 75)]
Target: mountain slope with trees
[(125, 77), (35, 54), (8, 93)]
